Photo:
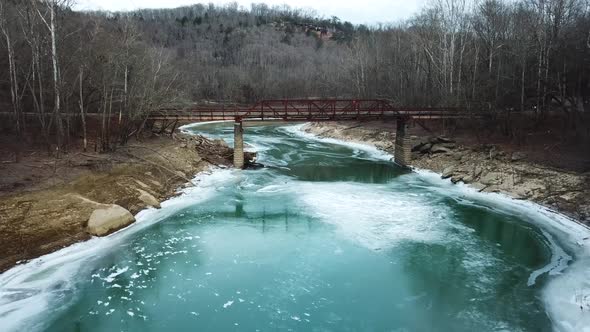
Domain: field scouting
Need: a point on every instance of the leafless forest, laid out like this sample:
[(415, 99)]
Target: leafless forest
[(491, 56)]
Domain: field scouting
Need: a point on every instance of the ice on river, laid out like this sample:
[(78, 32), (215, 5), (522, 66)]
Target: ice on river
[(374, 216)]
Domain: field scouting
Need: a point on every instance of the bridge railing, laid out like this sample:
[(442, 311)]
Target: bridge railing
[(308, 109)]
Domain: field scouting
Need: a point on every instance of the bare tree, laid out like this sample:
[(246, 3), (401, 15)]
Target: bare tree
[(12, 68)]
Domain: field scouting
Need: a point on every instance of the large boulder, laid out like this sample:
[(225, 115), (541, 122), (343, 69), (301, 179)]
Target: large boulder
[(457, 178), (448, 172), (440, 149), (425, 148), (107, 220), (148, 199), (467, 179), (443, 139)]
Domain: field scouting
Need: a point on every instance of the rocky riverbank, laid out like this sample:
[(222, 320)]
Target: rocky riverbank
[(103, 196), (484, 167)]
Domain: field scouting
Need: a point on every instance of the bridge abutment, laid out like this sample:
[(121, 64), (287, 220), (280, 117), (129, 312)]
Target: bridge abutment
[(238, 144), (403, 148)]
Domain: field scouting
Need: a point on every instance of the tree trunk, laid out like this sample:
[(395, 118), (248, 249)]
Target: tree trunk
[(12, 73), (81, 104), (522, 83)]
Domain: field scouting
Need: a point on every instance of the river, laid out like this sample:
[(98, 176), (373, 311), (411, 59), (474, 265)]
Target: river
[(327, 237)]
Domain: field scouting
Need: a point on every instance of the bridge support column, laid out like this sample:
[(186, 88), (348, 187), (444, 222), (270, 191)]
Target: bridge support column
[(403, 148), (238, 144)]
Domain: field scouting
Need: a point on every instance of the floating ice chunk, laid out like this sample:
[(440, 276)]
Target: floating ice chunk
[(227, 304), (559, 261), (113, 275), (130, 313)]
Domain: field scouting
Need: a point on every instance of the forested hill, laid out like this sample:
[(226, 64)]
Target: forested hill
[(228, 53), (492, 55)]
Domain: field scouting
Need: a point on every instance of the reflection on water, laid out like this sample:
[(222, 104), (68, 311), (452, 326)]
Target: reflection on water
[(368, 171), (328, 237)]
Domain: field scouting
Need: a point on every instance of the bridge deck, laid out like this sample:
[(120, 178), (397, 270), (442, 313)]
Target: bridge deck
[(308, 110)]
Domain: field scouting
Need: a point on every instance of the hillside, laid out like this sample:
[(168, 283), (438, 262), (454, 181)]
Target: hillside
[(492, 57)]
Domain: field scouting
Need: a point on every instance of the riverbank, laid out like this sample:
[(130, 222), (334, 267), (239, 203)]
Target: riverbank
[(487, 168), (67, 200)]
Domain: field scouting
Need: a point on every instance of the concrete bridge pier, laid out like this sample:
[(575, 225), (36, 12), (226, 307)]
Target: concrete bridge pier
[(238, 144), (403, 148)]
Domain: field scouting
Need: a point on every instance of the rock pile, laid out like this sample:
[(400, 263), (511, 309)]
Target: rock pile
[(438, 144), (489, 169), (215, 152)]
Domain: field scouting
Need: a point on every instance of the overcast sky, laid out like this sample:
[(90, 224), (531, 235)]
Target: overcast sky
[(367, 11)]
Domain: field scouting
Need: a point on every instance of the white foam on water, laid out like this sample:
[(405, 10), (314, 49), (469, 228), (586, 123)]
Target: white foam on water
[(273, 188), (381, 217), (28, 291), (113, 275), (297, 130), (374, 216)]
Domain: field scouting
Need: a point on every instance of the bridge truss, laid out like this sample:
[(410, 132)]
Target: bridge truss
[(307, 110)]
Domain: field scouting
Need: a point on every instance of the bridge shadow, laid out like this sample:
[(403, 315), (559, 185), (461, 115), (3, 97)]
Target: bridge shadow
[(354, 170)]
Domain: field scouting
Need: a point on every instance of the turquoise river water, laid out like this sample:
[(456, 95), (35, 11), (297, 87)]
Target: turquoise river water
[(328, 236)]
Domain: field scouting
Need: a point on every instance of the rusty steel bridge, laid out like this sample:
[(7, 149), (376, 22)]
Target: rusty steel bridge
[(307, 110), (300, 110)]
